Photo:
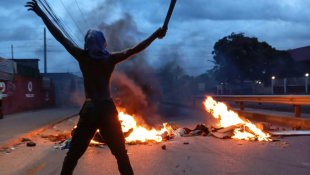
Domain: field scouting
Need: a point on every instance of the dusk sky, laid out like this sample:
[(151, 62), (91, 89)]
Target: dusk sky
[(193, 29)]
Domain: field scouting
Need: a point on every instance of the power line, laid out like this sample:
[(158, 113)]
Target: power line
[(181, 45), (57, 21), (57, 65), (5, 55), (36, 28), (71, 17), (21, 52), (82, 13), (197, 67), (9, 47), (151, 55), (20, 40)]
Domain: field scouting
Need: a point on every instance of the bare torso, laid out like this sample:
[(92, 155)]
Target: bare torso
[(97, 75)]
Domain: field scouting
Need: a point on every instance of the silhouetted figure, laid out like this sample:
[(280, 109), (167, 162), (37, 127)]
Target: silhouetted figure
[(98, 111)]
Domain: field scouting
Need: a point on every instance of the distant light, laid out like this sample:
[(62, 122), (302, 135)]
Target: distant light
[(259, 82), (221, 83), (273, 77), (307, 75)]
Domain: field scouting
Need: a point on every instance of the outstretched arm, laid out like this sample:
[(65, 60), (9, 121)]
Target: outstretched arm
[(70, 47), (121, 56)]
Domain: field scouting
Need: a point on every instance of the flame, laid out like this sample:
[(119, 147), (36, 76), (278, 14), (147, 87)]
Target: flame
[(228, 118), (140, 133), (94, 142)]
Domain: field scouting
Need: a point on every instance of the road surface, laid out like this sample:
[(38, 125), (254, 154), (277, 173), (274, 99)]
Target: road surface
[(203, 155), (18, 124)]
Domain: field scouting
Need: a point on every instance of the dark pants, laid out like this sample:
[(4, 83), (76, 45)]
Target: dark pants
[(102, 116)]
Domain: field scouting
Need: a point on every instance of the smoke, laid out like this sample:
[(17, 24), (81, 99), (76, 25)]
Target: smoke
[(134, 84)]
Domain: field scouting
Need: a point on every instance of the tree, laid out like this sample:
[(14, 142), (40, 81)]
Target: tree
[(178, 72), (237, 58), (166, 76)]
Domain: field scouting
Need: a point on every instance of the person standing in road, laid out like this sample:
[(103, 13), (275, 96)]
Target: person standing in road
[(98, 111), (1, 88)]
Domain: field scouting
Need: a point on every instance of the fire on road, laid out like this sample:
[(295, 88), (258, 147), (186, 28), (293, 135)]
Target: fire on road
[(203, 155)]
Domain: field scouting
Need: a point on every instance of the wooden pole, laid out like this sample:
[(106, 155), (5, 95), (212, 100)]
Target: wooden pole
[(297, 110)]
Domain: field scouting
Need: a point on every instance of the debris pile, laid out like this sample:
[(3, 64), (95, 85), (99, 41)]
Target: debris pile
[(242, 128), (57, 137), (64, 144), (6, 149)]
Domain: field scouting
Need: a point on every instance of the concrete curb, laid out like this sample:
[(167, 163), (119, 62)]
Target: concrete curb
[(277, 120), (35, 132)]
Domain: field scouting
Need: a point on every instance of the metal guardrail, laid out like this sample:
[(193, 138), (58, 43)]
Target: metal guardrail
[(295, 100)]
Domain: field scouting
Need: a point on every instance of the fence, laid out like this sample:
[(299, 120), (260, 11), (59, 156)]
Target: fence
[(290, 85), (295, 100), (298, 85)]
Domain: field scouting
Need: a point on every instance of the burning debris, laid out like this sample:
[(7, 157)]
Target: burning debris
[(140, 133), (57, 137), (134, 133), (240, 129), (231, 126)]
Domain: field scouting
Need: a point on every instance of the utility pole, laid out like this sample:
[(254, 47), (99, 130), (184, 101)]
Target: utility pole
[(45, 51), (12, 51)]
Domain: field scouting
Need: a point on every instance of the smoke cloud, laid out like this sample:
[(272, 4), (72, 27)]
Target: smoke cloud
[(134, 84)]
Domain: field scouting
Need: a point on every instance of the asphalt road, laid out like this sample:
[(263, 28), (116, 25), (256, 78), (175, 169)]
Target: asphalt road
[(203, 155), (18, 124)]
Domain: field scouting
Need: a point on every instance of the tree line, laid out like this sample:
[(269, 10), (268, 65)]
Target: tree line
[(236, 58)]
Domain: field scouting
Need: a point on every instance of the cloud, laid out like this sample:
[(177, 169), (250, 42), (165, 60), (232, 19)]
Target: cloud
[(193, 29)]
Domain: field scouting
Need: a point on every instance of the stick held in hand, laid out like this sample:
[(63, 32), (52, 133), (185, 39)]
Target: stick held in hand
[(172, 4)]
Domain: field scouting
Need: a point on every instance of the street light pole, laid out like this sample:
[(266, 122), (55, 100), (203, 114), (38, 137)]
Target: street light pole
[(307, 77), (12, 51), (45, 65), (272, 83), (284, 85)]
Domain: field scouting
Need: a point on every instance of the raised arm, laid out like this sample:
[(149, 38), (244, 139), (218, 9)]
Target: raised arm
[(121, 56), (70, 47)]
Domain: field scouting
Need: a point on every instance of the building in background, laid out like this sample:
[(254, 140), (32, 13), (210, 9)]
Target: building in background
[(23, 87), (302, 57), (27, 67), (69, 88), (7, 69)]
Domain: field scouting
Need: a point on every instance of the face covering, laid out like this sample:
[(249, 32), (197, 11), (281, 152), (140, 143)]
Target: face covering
[(95, 44)]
